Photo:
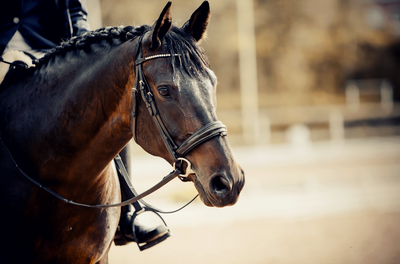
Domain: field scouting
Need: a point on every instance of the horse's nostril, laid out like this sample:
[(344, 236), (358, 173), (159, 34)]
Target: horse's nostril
[(220, 186)]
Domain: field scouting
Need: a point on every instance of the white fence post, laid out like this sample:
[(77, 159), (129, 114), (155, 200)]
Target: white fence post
[(387, 96), (336, 125), (352, 97), (248, 70)]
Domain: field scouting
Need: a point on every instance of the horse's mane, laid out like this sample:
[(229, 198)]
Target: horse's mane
[(178, 41), (84, 41), (192, 59)]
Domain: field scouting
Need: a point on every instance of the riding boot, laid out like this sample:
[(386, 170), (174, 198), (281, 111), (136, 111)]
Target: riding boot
[(129, 228)]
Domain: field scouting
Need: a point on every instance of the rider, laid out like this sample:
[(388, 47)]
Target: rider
[(37, 26)]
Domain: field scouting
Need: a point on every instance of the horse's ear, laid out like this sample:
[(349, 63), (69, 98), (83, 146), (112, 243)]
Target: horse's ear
[(161, 27), (198, 22)]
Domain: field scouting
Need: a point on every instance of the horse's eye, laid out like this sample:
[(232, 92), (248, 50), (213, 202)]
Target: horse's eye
[(163, 91)]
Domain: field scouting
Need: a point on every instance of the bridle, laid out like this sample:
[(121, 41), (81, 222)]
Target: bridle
[(177, 153)]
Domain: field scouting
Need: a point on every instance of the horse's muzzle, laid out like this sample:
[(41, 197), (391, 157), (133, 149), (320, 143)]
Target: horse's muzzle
[(224, 190)]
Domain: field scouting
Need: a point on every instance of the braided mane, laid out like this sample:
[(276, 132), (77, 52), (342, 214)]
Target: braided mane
[(85, 40), (192, 60)]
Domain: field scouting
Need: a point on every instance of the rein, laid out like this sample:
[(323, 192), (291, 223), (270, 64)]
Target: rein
[(134, 199), (205, 133), (15, 64)]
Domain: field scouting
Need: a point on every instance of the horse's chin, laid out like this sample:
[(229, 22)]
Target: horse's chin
[(214, 203), (209, 201), (206, 201)]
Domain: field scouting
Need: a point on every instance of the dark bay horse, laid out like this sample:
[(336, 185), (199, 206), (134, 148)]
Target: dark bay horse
[(68, 119)]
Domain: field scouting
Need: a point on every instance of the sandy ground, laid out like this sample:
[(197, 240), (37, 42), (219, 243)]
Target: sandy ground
[(325, 203), (358, 238)]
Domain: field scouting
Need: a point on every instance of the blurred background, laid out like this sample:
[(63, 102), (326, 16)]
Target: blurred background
[(309, 91)]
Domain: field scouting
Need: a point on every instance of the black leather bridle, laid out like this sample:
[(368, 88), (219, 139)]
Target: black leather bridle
[(177, 153)]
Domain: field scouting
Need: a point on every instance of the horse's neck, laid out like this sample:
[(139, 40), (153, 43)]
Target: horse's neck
[(80, 114)]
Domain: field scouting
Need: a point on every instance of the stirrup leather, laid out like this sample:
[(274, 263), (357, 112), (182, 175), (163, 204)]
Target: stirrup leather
[(127, 188)]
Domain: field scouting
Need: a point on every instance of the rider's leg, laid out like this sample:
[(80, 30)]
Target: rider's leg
[(126, 227)]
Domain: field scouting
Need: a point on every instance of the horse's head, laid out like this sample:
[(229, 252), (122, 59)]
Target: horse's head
[(184, 90)]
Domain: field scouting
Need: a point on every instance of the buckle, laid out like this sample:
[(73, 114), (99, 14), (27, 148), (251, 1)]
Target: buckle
[(183, 177)]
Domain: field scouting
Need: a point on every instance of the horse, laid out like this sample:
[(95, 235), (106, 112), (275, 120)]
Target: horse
[(67, 118)]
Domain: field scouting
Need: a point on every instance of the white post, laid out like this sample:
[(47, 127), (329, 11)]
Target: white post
[(336, 126), (352, 97), (387, 96), (248, 70)]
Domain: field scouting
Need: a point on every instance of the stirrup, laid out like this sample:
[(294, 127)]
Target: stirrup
[(146, 245)]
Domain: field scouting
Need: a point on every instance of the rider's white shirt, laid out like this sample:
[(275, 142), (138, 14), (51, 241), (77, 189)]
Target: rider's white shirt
[(18, 43)]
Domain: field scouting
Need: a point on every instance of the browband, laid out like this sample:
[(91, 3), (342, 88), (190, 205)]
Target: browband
[(142, 60)]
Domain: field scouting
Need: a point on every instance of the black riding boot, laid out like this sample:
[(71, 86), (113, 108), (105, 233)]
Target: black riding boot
[(129, 228), (145, 235)]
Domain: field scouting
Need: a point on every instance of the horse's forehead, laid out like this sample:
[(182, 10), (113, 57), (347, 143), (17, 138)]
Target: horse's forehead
[(192, 87), (162, 71), (196, 94)]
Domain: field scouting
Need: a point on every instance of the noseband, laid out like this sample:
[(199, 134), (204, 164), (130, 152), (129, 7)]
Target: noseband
[(207, 132)]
